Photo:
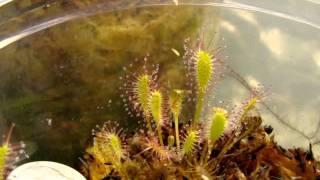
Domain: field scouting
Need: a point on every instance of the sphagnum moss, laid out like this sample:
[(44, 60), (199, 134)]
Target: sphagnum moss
[(209, 147)]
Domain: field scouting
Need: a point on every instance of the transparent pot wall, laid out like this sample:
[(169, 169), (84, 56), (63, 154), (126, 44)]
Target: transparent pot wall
[(61, 63)]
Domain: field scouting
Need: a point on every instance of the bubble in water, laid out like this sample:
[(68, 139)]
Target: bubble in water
[(49, 121)]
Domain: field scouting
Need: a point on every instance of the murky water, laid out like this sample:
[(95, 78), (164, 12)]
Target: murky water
[(62, 77)]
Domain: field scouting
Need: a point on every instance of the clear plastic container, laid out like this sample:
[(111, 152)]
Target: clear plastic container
[(61, 62)]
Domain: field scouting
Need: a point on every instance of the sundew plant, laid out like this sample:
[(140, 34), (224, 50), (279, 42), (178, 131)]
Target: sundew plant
[(10, 154), (168, 147)]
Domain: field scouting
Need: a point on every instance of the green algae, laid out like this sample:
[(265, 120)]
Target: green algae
[(68, 74)]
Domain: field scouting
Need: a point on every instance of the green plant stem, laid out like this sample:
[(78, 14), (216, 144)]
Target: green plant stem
[(199, 107), (176, 125), (204, 152), (149, 123), (160, 135)]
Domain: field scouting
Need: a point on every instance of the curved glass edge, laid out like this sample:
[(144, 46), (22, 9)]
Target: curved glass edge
[(20, 20)]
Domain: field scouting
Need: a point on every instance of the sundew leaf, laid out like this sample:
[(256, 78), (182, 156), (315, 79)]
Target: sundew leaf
[(218, 124), (190, 142), (204, 69), (143, 91), (156, 107)]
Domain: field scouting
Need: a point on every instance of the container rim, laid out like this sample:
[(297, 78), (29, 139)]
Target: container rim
[(106, 7)]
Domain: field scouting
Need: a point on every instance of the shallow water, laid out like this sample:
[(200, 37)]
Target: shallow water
[(58, 83)]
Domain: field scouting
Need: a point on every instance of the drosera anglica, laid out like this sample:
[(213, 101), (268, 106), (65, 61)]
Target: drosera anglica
[(256, 96), (203, 73), (190, 141), (109, 147), (148, 99), (175, 103), (224, 142), (156, 108), (10, 154), (160, 151), (217, 124), (137, 85)]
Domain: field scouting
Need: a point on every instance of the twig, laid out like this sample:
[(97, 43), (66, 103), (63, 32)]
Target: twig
[(243, 82)]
